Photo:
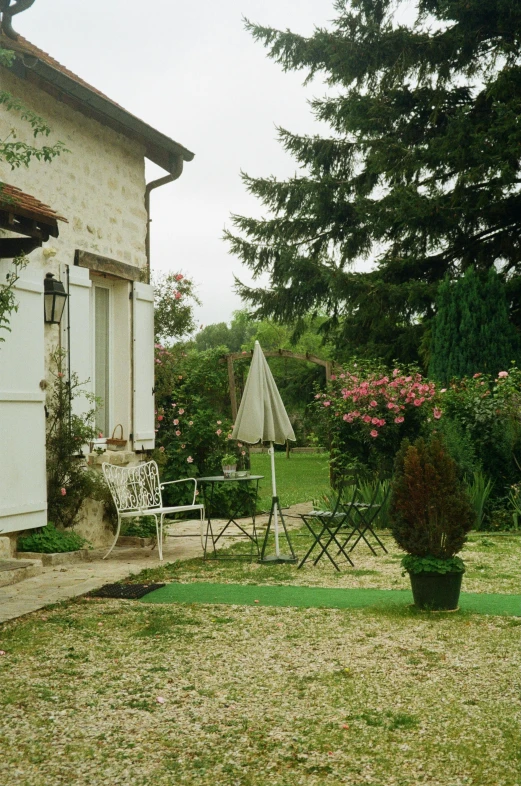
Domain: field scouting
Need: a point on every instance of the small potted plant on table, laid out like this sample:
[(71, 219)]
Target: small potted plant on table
[(229, 465), (431, 514)]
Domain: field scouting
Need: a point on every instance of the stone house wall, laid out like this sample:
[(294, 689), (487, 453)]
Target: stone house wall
[(99, 186)]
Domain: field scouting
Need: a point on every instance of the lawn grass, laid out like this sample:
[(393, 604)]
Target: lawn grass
[(96, 692), (301, 478), (133, 694)]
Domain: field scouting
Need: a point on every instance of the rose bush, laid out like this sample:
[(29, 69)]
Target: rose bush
[(193, 422), (366, 412)]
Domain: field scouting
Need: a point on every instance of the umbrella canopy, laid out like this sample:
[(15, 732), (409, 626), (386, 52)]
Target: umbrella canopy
[(262, 416)]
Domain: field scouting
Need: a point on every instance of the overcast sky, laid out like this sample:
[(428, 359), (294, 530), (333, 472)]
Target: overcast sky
[(193, 72)]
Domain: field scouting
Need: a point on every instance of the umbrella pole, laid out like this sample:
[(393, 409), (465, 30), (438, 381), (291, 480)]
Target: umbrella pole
[(274, 496), (274, 516)]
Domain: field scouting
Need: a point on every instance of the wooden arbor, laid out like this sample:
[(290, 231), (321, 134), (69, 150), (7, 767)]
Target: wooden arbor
[(279, 353)]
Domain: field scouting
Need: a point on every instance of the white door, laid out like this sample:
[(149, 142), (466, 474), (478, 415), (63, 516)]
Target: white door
[(143, 366), (23, 493)]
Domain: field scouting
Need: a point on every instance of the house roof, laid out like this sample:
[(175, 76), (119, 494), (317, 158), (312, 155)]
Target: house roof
[(39, 68), (25, 215), (13, 200)]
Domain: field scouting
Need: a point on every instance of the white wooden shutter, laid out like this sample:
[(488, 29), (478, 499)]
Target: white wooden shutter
[(80, 337), (143, 366), (23, 493)]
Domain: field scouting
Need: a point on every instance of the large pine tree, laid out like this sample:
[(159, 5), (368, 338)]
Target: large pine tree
[(421, 173)]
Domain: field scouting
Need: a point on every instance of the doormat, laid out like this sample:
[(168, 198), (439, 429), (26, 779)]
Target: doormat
[(320, 597), (128, 591)]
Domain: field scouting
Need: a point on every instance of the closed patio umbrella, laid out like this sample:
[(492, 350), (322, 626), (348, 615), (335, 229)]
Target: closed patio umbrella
[(263, 418)]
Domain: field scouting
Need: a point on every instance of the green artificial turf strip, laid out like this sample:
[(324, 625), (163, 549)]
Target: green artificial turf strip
[(319, 597)]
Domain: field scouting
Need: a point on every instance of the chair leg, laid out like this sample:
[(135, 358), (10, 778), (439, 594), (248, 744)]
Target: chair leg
[(203, 519), (115, 539), (159, 531)]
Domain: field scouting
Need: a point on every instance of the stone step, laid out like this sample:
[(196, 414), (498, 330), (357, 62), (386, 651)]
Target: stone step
[(14, 570), (58, 558)]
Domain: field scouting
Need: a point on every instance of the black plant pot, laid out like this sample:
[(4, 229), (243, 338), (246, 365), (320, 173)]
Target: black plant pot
[(436, 591)]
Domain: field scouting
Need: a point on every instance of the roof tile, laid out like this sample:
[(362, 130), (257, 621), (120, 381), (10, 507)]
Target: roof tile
[(12, 198)]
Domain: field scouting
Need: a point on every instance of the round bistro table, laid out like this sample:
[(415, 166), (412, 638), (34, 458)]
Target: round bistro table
[(213, 535)]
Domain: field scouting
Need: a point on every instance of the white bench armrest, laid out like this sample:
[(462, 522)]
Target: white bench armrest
[(183, 480)]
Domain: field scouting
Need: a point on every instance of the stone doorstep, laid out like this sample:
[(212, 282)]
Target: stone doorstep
[(14, 570), (58, 558)]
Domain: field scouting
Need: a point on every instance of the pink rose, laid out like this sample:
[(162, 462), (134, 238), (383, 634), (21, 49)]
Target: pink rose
[(190, 460), (333, 376), (437, 413), (160, 417), (179, 277), (366, 418), (175, 422), (219, 422), (219, 432), (181, 412), (327, 403), (63, 492), (375, 421), (373, 403), (374, 433), (381, 422), (161, 449), (178, 433), (177, 295), (443, 390), (417, 402), (503, 374), (399, 419), (190, 422)]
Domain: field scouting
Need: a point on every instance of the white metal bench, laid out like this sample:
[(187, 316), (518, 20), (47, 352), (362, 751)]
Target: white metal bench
[(136, 491)]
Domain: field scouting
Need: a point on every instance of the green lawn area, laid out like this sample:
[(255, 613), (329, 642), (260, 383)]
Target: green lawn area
[(301, 478), (135, 694)]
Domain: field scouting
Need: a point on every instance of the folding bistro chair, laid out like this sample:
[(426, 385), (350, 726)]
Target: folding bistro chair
[(136, 492), (360, 519), (324, 526)]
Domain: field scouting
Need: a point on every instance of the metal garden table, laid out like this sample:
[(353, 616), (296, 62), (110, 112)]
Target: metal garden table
[(212, 537)]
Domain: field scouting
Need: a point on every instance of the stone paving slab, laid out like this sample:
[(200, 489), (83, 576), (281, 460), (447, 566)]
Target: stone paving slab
[(58, 583)]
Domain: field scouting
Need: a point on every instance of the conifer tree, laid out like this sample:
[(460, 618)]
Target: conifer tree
[(420, 173), (471, 331)]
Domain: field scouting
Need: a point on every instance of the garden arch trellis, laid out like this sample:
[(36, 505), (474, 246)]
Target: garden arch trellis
[(277, 353)]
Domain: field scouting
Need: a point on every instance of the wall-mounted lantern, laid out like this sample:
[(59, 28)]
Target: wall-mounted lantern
[(54, 298)]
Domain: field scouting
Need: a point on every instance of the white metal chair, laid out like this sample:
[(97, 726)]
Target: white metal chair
[(136, 491)]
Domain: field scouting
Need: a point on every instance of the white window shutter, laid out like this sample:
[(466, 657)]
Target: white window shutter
[(80, 335), (143, 366), (23, 493)]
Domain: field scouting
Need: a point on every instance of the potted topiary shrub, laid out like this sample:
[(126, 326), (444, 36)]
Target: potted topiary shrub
[(431, 514)]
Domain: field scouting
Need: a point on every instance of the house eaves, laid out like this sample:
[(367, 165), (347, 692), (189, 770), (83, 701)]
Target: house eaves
[(39, 69)]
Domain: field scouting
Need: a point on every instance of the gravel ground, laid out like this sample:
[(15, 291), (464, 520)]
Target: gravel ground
[(115, 692)]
